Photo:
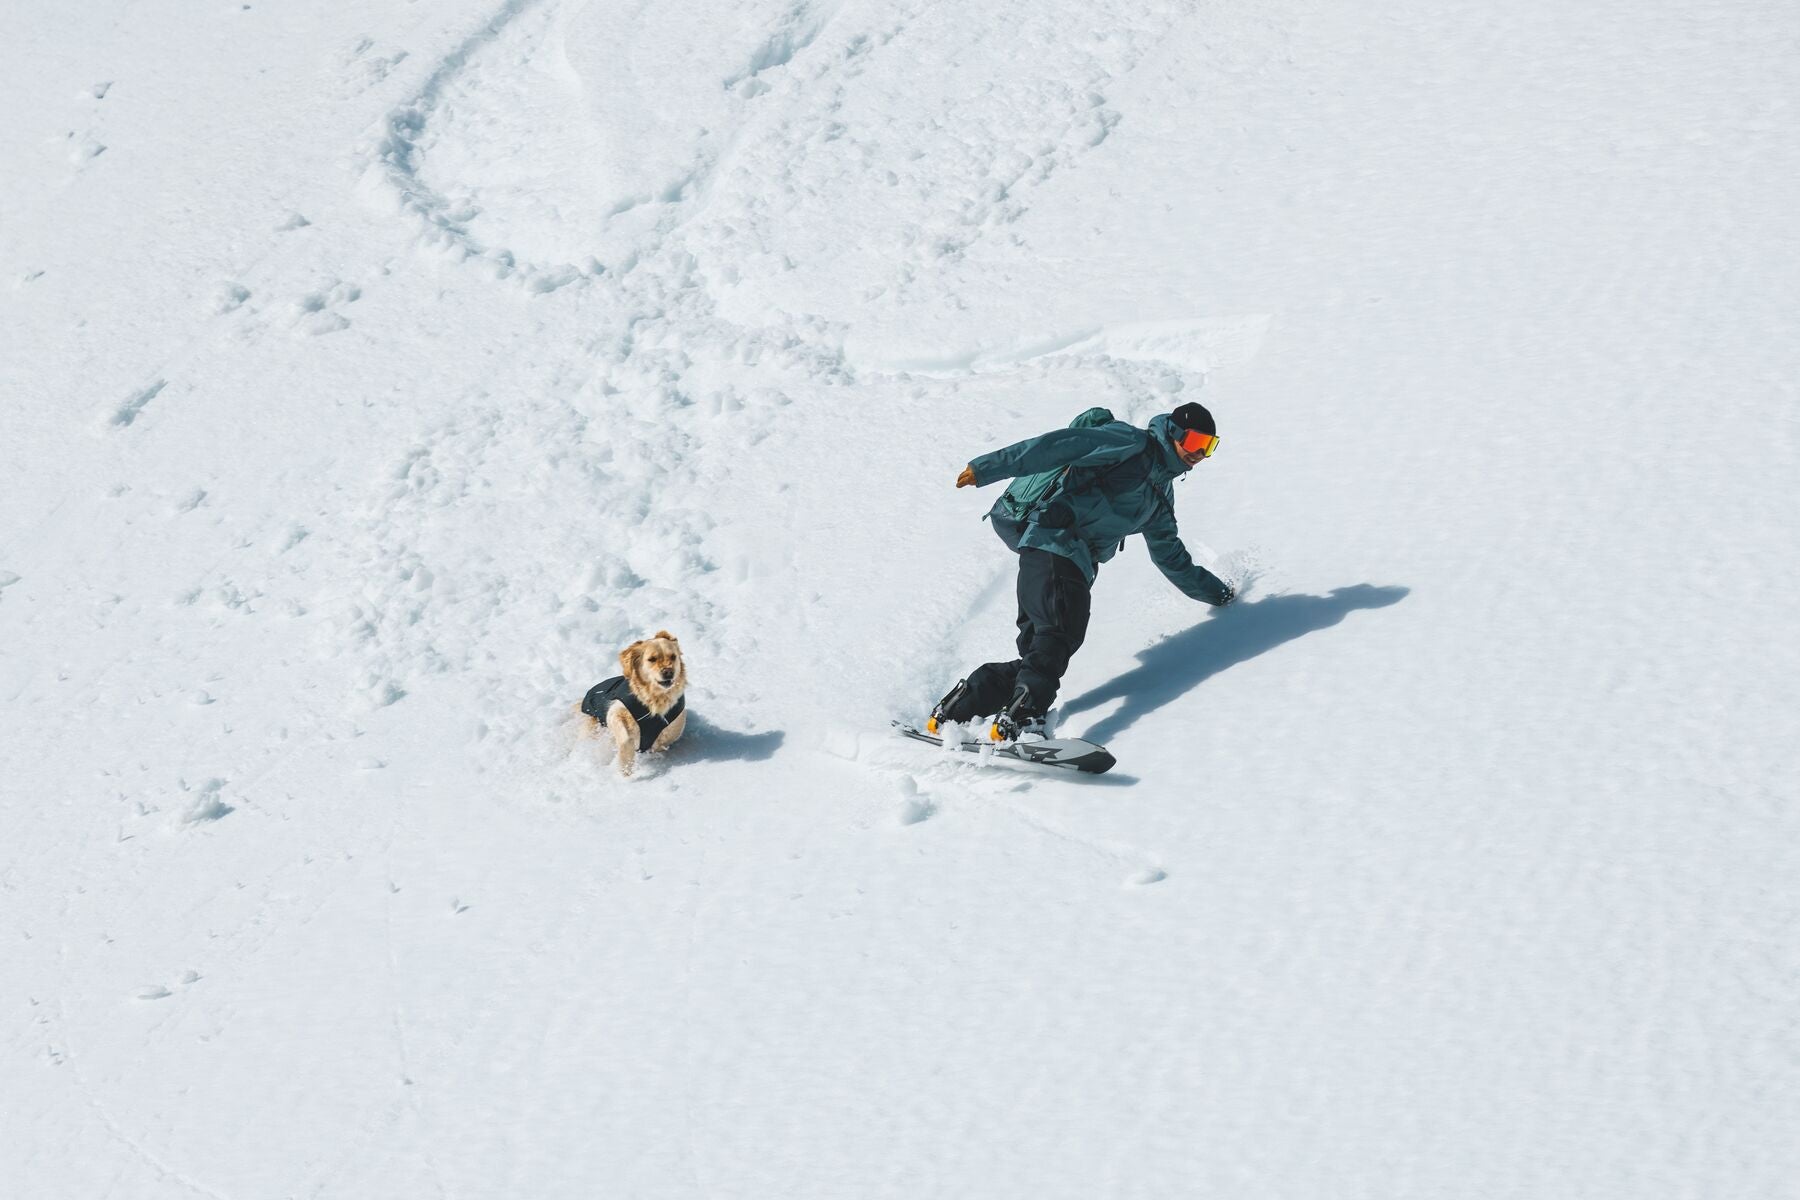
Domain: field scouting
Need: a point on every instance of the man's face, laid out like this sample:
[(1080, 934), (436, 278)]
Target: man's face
[(1191, 446)]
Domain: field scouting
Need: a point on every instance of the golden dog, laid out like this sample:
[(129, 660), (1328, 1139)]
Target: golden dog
[(643, 709)]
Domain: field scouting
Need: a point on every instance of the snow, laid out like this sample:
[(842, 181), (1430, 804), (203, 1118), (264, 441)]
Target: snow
[(373, 373)]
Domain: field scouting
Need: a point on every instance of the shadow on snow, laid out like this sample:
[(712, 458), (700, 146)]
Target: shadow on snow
[(706, 742), (1178, 664)]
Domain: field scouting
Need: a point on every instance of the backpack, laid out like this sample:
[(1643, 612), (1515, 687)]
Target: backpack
[(1024, 493), (1027, 494)]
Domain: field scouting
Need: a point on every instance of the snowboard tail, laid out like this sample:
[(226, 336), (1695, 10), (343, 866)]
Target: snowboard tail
[(1069, 754)]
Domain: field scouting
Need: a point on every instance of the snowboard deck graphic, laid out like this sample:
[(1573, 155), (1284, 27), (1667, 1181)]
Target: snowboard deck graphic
[(1070, 754)]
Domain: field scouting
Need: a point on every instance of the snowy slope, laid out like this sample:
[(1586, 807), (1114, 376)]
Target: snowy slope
[(373, 373)]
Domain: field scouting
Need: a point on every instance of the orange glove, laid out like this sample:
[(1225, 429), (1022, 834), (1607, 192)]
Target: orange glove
[(967, 478)]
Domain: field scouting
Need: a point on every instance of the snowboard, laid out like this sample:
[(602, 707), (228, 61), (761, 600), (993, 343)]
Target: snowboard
[(1070, 754)]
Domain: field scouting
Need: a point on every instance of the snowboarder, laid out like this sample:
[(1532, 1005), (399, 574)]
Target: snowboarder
[(1111, 480)]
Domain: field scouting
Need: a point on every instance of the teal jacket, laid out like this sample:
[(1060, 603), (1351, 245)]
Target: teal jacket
[(1109, 494)]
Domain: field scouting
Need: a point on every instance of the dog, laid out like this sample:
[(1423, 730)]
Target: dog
[(643, 708)]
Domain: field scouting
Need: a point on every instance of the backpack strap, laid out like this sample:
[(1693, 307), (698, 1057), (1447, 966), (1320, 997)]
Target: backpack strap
[(1137, 465)]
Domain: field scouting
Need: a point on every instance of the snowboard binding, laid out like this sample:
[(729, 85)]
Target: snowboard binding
[(1019, 721), (952, 708), (1008, 727), (1013, 723)]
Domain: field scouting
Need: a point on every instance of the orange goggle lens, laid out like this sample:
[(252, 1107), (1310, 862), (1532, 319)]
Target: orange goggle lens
[(1192, 441)]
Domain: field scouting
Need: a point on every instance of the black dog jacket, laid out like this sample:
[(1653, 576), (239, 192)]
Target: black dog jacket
[(650, 726)]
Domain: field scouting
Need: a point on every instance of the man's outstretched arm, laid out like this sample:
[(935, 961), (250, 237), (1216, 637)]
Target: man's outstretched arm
[(1095, 446), (1174, 561)]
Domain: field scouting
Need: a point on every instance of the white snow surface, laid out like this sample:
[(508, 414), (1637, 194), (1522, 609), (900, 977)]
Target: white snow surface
[(373, 372)]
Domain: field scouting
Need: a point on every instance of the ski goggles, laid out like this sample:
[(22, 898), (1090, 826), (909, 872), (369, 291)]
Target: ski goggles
[(1192, 441)]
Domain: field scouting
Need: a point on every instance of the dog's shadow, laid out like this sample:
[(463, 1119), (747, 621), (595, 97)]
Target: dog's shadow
[(1176, 665), (706, 742)]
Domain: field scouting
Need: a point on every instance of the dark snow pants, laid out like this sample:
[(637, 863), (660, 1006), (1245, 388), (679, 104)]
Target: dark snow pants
[(1054, 601)]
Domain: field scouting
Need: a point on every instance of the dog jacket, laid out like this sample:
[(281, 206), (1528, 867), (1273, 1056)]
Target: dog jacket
[(650, 726)]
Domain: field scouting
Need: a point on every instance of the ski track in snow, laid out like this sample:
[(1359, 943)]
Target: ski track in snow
[(654, 399), (637, 420), (622, 434)]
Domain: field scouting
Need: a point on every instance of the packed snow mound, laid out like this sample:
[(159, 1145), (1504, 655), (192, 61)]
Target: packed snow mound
[(372, 378)]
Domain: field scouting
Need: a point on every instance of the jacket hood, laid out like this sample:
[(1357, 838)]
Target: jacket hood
[(1162, 427)]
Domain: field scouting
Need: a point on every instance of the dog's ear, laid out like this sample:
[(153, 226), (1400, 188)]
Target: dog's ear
[(630, 657), (663, 633)]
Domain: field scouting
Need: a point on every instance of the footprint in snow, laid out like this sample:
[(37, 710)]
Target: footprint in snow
[(229, 297), (84, 148), (157, 991), (366, 64), (317, 312), (378, 692)]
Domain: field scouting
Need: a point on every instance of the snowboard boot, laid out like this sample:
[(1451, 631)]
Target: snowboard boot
[(951, 708)]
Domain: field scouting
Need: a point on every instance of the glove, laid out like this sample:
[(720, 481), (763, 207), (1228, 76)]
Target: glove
[(967, 478)]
